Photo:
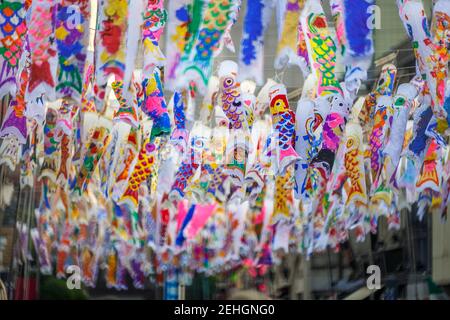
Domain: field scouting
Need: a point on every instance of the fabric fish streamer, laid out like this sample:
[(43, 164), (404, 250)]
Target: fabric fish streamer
[(107, 162), (64, 135), (236, 155), (155, 17), (12, 31), (249, 104), (197, 60), (287, 49), (51, 146), (208, 187), (302, 51), (87, 102), (125, 162), (355, 38), (127, 112), (321, 48), (431, 173), (402, 103), (71, 35), (255, 178), (251, 57), (321, 111), (377, 139), (227, 41), (384, 86), (431, 56), (195, 13), (177, 35), (180, 135), (332, 133), (94, 150), (163, 180), (283, 120), (142, 170), (154, 105), (230, 97), (358, 35), (304, 134), (209, 101), (239, 216), (110, 56), (190, 163), (354, 165), (419, 140), (283, 198), (15, 122), (42, 79), (28, 158)]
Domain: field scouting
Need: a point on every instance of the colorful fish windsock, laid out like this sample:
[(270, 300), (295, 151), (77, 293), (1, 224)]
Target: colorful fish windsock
[(419, 140), (283, 198), (402, 103), (13, 27), (256, 22), (155, 17), (177, 35), (180, 135), (127, 112), (354, 33), (305, 119), (125, 163), (384, 86), (354, 164), (287, 51), (51, 146), (42, 79), (377, 140), (94, 150), (431, 173), (230, 96), (142, 170), (191, 161), (110, 56), (71, 34), (198, 56), (15, 122), (332, 133), (283, 120), (321, 48), (154, 105)]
